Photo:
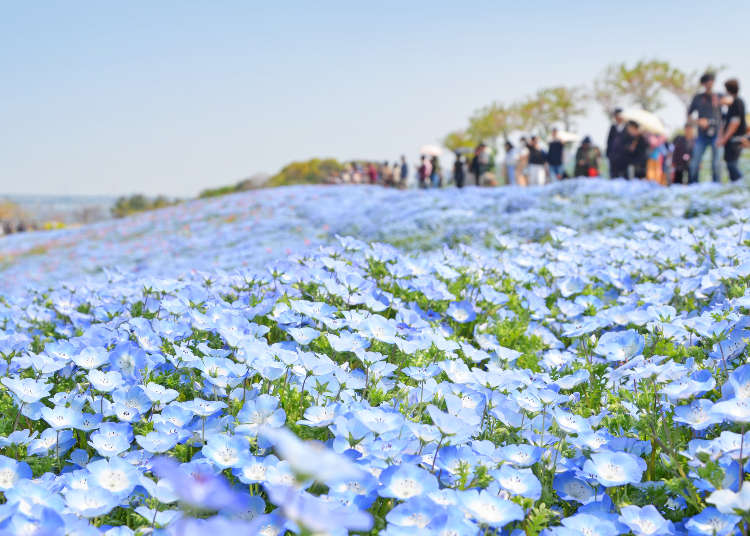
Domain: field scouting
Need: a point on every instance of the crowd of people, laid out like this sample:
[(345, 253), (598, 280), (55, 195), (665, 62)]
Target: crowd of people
[(716, 122)]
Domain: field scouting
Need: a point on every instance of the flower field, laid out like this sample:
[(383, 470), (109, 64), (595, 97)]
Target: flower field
[(331, 360)]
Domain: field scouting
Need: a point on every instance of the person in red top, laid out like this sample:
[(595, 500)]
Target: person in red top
[(372, 173)]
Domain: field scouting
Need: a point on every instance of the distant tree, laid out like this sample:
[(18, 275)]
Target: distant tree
[(561, 104), (491, 122), (458, 139), (642, 84), (127, 205), (312, 171), (533, 115)]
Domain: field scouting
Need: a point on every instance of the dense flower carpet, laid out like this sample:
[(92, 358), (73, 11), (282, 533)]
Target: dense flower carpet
[(331, 360)]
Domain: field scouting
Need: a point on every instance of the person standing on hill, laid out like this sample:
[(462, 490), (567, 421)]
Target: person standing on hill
[(635, 149), (681, 152), (511, 159), (706, 107), (735, 128), (587, 159), (404, 176), (459, 174), (555, 157), (613, 151), (372, 173), (435, 178), (537, 163)]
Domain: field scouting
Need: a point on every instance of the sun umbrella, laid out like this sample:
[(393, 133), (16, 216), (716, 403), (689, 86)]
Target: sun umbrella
[(567, 137), (646, 120), (431, 150)]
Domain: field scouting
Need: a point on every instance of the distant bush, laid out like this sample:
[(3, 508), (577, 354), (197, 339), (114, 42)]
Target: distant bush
[(313, 171), (127, 205)]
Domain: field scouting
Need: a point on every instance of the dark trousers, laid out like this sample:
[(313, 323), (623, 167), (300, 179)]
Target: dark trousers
[(680, 174), (734, 170)]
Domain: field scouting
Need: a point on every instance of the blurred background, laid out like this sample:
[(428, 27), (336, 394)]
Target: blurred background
[(102, 99)]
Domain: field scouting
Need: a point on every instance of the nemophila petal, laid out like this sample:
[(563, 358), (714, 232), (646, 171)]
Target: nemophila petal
[(317, 514), (417, 512), (490, 510), (90, 357), (157, 393), (198, 486), (226, 451), (90, 503), (730, 502), (620, 345), (11, 471), (311, 459), (591, 525), (115, 475), (28, 390), (698, 414), (105, 382), (646, 521), (157, 442), (521, 482), (406, 481), (203, 408), (461, 311), (711, 522), (614, 468)]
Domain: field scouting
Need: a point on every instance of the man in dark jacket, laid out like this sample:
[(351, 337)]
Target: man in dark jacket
[(635, 149), (555, 157), (706, 108), (614, 145), (735, 128)]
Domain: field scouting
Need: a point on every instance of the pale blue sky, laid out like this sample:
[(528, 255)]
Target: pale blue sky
[(175, 96)]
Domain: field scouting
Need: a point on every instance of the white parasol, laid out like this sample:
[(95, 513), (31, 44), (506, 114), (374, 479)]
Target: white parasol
[(431, 150), (646, 120)]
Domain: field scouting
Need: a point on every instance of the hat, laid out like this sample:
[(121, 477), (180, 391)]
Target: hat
[(617, 111), (587, 139)]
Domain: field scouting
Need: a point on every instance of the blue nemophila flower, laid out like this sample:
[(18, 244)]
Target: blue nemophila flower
[(417, 513), (620, 345), (105, 382), (591, 525), (227, 451), (734, 410), (615, 468), (646, 521), (263, 411), (490, 510), (198, 486), (521, 482), (203, 408), (461, 312), (571, 488), (91, 502), (698, 415), (90, 357), (731, 502), (406, 481), (62, 417), (316, 514), (115, 475), (111, 439), (157, 442), (11, 471), (28, 390), (311, 459), (711, 522)]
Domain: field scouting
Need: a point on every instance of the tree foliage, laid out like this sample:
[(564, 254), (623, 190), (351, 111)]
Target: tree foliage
[(126, 205), (312, 171)]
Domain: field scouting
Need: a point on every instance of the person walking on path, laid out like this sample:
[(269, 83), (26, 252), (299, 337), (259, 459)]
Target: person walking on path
[(735, 128), (706, 108), (613, 151), (555, 157), (636, 151)]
